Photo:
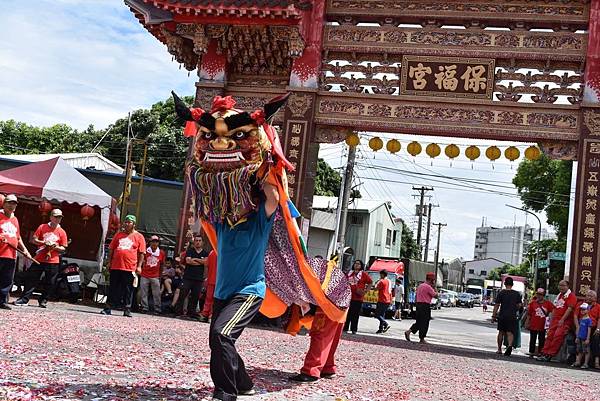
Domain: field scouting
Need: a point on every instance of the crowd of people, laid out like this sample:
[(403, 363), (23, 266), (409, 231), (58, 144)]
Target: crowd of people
[(566, 326)]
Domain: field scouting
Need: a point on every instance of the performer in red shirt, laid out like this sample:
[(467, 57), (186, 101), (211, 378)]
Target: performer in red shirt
[(425, 293), (51, 240), (10, 240), (125, 258), (150, 277), (211, 279), (561, 321), (537, 311), (359, 285), (384, 299)]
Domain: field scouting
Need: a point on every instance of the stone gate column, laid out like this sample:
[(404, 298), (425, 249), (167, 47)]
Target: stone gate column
[(585, 251)]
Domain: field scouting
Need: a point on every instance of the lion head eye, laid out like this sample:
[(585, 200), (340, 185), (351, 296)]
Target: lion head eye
[(240, 135), (209, 135)]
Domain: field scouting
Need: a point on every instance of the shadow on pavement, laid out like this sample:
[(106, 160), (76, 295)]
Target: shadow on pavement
[(266, 380), (482, 323), (439, 349)]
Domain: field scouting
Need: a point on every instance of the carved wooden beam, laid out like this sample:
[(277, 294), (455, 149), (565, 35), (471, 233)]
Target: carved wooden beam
[(563, 46), (492, 13), (469, 119)]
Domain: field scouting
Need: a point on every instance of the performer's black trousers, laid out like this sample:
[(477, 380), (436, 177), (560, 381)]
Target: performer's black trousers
[(423, 316), (32, 281), (7, 274), (230, 318), (120, 289), (353, 316)]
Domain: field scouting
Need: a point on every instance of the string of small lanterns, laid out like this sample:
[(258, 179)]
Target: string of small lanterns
[(452, 151)]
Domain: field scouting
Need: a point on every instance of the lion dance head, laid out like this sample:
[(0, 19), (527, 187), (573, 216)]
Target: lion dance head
[(233, 152)]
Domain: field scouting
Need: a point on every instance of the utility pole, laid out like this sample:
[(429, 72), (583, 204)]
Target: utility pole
[(437, 252), (429, 208), (345, 195), (420, 214)]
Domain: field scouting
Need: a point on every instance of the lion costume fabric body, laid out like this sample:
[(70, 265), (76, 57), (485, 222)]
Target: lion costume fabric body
[(235, 153)]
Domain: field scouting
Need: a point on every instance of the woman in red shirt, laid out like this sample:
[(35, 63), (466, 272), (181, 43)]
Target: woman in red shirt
[(359, 284), (538, 310)]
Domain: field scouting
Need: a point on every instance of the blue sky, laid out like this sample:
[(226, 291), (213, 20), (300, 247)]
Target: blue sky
[(80, 62), (84, 62)]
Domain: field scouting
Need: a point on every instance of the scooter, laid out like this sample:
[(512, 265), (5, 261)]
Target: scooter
[(68, 282)]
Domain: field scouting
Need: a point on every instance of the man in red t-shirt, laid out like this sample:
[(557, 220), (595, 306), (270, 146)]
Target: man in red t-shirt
[(150, 277), (384, 299), (211, 280), (10, 240), (359, 285), (425, 293), (537, 311), (561, 321), (125, 258), (51, 240)]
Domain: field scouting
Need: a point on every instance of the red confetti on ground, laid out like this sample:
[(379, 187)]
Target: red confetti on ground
[(72, 353)]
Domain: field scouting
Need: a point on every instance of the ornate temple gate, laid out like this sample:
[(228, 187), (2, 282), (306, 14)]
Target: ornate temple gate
[(521, 70)]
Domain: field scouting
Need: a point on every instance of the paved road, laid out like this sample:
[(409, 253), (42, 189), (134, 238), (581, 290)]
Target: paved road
[(68, 353), (460, 327)]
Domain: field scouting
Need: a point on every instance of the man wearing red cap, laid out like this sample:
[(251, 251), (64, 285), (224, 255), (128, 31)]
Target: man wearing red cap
[(425, 293), (150, 277), (10, 240)]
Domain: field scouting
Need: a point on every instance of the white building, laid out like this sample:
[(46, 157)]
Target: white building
[(480, 268), (89, 161), (371, 229), (508, 244)]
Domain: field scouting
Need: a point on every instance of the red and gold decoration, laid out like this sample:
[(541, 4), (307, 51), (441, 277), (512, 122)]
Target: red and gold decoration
[(414, 148), (393, 146), (352, 139)]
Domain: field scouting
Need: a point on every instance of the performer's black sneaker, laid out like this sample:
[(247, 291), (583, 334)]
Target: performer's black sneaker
[(304, 378), (105, 311), (386, 328), (43, 304), (20, 302), (5, 306), (379, 332), (247, 392), (508, 351), (127, 313)]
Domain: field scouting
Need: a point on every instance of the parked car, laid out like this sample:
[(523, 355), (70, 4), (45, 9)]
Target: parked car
[(446, 300), (465, 299), (436, 303)]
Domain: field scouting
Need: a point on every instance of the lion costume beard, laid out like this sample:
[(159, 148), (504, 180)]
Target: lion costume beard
[(225, 195)]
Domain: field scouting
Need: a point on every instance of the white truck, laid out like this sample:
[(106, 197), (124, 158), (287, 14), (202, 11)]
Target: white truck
[(477, 292)]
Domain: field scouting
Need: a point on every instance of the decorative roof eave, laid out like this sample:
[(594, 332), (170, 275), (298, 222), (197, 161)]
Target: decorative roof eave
[(246, 9)]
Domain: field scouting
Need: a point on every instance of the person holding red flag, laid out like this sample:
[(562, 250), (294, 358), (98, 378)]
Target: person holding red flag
[(51, 240)]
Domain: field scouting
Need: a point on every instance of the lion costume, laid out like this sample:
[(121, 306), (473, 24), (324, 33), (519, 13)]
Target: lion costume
[(235, 153)]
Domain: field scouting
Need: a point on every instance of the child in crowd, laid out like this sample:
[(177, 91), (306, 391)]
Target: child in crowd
[(584, 332), (167, 278), (484, 304)]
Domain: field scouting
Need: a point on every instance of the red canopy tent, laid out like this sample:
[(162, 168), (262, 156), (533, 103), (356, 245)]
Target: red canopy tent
[(63, 186)]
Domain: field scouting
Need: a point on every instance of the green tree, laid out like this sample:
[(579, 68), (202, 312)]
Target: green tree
[(328, 182), (408, 246), (545, 185)]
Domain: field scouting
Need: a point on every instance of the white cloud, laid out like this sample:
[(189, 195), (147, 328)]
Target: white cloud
[(80, 63)]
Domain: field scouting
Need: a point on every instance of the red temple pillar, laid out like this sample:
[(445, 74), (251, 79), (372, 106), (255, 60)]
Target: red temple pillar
[(298, 125), (584, 270)]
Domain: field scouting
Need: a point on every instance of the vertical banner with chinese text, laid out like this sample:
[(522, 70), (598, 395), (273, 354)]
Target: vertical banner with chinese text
[(298, 131), (585, 256)]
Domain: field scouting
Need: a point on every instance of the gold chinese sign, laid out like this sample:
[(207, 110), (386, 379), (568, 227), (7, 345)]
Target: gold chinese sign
[(447, 76)]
